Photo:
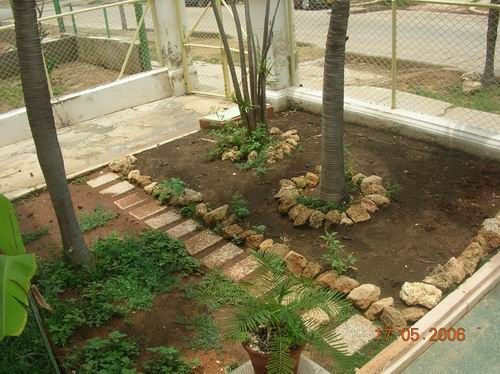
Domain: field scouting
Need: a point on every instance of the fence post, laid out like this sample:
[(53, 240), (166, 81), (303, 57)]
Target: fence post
[(60, 21), (73, 19), (280, 58), (106, 22), (225, 65), (123, 17), (292, 44), (144, 54), (394, 61)]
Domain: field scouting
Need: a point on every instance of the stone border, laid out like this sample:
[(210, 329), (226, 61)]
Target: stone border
[(400, 354), (372, 196)]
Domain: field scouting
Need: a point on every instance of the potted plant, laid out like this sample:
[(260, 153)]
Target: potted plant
[(279, 318)]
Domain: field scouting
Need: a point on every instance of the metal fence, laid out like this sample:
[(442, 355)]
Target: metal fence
[(84, 45), (425, 56)]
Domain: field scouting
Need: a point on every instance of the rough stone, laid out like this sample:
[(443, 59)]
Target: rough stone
[(216, 215), (187, 197), (292, 141), (288, 200), (295, 262), (377, 307), (245, 234), (490, 232), (252, 156), (229, 221), (378, 199), (345, 284), (231, 231), (312, 179), (364, 295), (316, 219), (368, 205), (471, 256), (232, 154), (358, 178), (357, 213), (470, 87), (393, 319), (418, 293), (289, 133), (311, 270), (274, 131), (266, 244), (254, 241), (443, 277), (345, 221), (135, 177), (413, 313), (287, 183), (372, 185), (300, 182), (295, 211), (303, 216), (201, 209), (150, 188), (279, 249), (333, 217), (123, 165), (327, 279)]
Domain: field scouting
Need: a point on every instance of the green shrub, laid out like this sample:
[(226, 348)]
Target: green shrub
[(167, 189), (393, 191), (166, 360), (30, 237), (113, 354), (335, 256), (239, 206), (189, 210), (98, 218)]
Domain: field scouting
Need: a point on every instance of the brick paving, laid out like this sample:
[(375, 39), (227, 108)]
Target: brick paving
[(201, 241), (130, 200), (163, 219), (117, 189), (147, 210)]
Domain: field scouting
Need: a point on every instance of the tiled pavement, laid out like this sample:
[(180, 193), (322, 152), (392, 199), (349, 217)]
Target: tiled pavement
[(211, 249)]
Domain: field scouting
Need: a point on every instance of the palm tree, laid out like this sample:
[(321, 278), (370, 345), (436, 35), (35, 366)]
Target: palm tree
[(491, 41), (332, 186), (43, 129)]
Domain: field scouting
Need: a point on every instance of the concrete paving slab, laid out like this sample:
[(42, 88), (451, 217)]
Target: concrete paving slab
[(242, 269), (306, 366), (163, 219), (130, 200), (356, 332), (102, 179), (201, 241), (183, 228), (221, 255), (117, 189), (147, 210)]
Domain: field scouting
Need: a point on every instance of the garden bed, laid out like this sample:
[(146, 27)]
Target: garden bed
[(443, 196)]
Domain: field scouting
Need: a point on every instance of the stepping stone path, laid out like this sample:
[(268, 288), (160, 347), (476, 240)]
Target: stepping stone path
[(356, 332)]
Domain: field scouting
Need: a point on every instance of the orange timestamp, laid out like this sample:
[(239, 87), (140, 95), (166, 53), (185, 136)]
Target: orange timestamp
[(413, 334)]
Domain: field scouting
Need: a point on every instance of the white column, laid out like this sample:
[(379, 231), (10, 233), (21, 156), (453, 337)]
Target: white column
[(171, 28), (282, 56)]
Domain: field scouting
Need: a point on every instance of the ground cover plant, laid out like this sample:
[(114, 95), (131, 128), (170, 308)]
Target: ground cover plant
[(335, 256), (31, 236), (168, 189), (97, 218)]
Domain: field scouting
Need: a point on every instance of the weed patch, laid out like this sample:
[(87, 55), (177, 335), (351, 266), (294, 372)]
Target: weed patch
[(204, 334), (167, 189), (339, 262), (239, 206), (32, 236), (167, 360), (98, 218), (318, 204)]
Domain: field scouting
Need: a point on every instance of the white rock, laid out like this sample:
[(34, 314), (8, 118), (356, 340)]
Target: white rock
[(418, 293)]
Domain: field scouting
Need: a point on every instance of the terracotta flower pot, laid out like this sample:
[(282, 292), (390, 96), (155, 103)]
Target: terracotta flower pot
[(259, 360)]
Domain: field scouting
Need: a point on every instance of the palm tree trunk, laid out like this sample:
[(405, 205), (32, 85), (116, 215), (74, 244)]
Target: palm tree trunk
[(332, 186), (491, 41), (43, 129)]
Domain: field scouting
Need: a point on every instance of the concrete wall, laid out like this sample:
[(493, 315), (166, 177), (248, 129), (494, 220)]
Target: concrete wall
[(85, 105)]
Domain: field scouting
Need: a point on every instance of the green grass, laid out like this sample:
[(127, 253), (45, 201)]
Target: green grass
[(12, 94), (216, 291), (486, 100), (32, 236), (129, 273), (98, 218), (203, 333)]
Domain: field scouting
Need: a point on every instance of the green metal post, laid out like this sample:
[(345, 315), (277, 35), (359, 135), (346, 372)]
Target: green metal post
[(144, 54), (394, 61), (60, 21), (106, 22), (75, 31)]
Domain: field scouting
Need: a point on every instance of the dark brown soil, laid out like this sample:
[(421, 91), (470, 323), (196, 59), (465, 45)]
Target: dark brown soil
[(444, 196)]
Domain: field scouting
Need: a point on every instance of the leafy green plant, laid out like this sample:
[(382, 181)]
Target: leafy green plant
[(393, 191), (239, 206), (169, 188), (129, 272), (113, 354), (80, 180), (189, 210), (204, 334), (273, 318), (335, 256), (167, 360), (32, 236), (259, 229), (216, 291), (318, 204), (98, 218)]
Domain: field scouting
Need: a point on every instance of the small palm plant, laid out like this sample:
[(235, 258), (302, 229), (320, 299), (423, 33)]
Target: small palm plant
[(278, 318)]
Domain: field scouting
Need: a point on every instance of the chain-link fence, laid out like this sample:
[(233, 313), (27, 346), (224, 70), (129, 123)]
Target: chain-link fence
[(85, 44), (439, 53)]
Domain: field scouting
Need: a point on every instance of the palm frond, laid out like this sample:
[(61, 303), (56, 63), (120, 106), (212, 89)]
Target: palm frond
[(280, 361)]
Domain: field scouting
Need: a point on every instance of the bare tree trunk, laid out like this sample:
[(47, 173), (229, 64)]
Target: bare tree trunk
[(491, 41), (332, 186), (43, 129)]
